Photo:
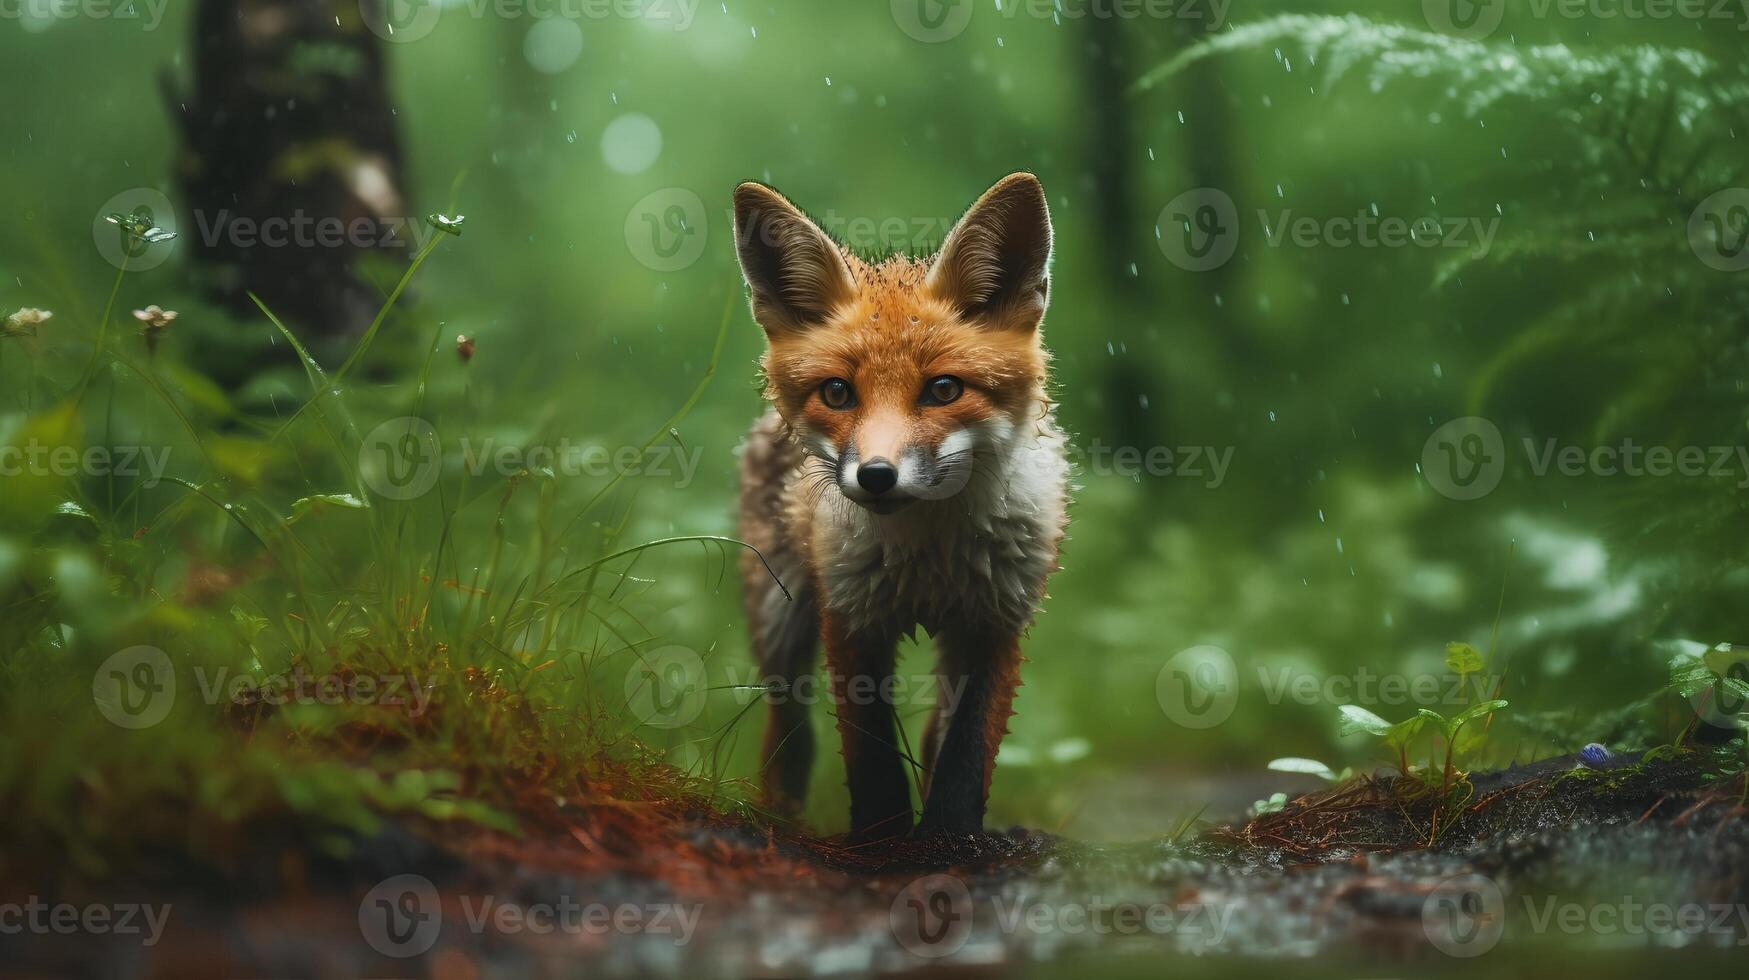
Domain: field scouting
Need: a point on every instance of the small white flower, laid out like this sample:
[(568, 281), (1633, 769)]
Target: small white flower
[(25, 322)]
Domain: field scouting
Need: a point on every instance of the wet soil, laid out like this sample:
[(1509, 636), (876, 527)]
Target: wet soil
[(1636, 857)]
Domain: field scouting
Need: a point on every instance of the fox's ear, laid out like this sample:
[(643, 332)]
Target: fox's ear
[(795, 271), (995, 264)]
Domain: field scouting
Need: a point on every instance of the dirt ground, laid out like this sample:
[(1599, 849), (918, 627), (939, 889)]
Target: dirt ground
[(1551, 863)]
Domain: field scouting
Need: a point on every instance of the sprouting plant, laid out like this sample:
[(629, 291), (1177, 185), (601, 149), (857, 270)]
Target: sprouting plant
[(1275, 804), (1398, 736)]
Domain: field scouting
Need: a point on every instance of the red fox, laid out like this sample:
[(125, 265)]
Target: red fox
[(910, 472)]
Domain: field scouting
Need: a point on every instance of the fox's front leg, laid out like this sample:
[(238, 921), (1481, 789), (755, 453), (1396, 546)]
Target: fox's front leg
[(861, 663), (984, 665)]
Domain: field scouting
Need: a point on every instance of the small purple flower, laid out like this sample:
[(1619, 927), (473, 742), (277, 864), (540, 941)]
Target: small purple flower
[(1594, 754)]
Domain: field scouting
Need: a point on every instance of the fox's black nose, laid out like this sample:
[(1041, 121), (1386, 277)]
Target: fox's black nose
[(877, 475)]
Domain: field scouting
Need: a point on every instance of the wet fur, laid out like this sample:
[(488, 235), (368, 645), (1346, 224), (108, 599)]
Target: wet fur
[(968, 561)]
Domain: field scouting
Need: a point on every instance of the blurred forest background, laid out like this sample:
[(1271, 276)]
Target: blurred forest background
[(593, 158)]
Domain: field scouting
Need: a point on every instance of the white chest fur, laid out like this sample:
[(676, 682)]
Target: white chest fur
[(980, 557)]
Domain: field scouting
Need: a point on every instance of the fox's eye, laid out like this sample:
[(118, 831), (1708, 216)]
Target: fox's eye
[(836, 393), (943, 390)]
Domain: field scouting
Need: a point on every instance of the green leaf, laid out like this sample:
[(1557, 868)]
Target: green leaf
[(305, 506), (1468, 740), (1309, 766), (1403, 731), (1689, 674), (1275, 804), (1357, 719), (1473, 712), (71, 509), (1461, 658)]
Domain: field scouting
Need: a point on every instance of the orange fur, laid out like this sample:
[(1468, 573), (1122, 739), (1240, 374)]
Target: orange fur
[(968, 562)]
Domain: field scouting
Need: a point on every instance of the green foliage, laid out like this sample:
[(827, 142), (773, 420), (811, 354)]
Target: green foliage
[(1600, 206), (331, 661)]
